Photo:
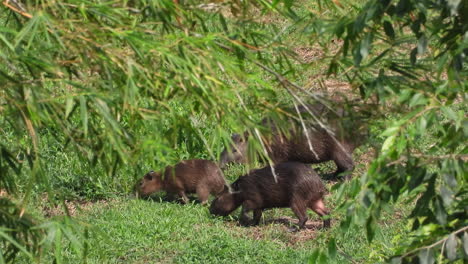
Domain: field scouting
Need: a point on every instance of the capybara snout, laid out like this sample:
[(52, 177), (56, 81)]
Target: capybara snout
[(202, 177), (297, 186)]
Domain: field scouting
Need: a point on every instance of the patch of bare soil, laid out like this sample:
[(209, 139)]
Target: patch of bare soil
[(3, 193), (285, 226), (70, 207), (309, 54)]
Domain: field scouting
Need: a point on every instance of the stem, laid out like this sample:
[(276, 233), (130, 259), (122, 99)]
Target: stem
[(436, 243)]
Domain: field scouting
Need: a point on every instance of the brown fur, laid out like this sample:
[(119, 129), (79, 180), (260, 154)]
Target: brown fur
[(202, 177), (298, 186), (294, 145)]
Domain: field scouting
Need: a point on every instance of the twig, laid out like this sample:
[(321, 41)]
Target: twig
[(344, 254), (403, 158), (436, 243), (17, 8)]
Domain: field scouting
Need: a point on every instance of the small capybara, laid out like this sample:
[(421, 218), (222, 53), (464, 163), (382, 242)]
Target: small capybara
[(202, 177), (314, 145), (297, 186)]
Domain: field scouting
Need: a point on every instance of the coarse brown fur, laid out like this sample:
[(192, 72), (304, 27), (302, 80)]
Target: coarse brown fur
[(202, 177), (297, 186), (313, 145)]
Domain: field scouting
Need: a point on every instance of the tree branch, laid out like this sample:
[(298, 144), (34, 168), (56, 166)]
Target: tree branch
[(18, 8), (436, 243)]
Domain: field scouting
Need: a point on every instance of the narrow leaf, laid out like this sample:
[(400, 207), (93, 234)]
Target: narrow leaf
[(388, 28), (465, 243), (426, 256), (332, 248), (451, 246), (84, 115), (422, 44)]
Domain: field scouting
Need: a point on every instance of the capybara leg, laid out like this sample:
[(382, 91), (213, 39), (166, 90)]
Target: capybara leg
[(344, 161), (203, 194), (184, 197), (300, 210), (171, 197), (257, 214), (244, 216), (319, 207)]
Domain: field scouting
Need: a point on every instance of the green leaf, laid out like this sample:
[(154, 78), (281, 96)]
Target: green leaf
[(58, 246), (370, 228), (413, 56), (422, 125), (14, 242), (440, 213), (449, 113), (68, 106), (388, 143), (313, 258), (388, 28), (446, 195), (365, 46), (422, 45), (395, 260), (332, 248), (465, 242), (453, 6), (451, 246), (426, 256), (84, 114)]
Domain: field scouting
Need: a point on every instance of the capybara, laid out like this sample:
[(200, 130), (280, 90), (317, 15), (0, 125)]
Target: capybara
[(297, 186), (202, 177), (314, 146)]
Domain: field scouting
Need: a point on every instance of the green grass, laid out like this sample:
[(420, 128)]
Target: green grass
[(126, 230)]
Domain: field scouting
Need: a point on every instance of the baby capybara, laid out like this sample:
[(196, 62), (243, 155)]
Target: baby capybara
[(189, 176), (298, 187)]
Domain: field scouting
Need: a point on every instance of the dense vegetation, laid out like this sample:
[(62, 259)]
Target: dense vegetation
[(95, 93)]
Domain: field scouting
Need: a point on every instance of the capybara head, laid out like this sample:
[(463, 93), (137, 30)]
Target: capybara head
[(236, 152), (225, 204), (151, 183)]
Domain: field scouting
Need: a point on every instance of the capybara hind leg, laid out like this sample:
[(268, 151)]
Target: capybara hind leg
[(319, 207), (244, 216), (184, 197), (344, 163), (203, 193), (300, 210), (257, 214)]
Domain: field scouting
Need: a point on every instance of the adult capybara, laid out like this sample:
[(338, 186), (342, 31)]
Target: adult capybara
[(297, 186), (202, 177), (313, 144)]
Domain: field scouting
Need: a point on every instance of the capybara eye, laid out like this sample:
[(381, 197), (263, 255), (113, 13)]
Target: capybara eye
[(148, 177)]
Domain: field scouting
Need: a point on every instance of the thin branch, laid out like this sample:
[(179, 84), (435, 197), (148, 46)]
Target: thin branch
[(17, 8), (404, 158), (436, 243)]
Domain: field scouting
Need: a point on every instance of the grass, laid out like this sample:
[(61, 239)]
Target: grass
[(124, 230)]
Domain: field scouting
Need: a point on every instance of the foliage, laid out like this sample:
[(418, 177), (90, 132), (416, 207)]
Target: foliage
[(410, 56), (118, 84), (91, 90)]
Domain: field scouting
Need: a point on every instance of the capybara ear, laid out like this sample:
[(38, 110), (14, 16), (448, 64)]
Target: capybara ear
[(226, 189), (246, 135), (149, 176), (235, 137)]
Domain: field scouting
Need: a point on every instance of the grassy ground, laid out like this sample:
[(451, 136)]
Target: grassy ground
[(146, 231), (128, 230)]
